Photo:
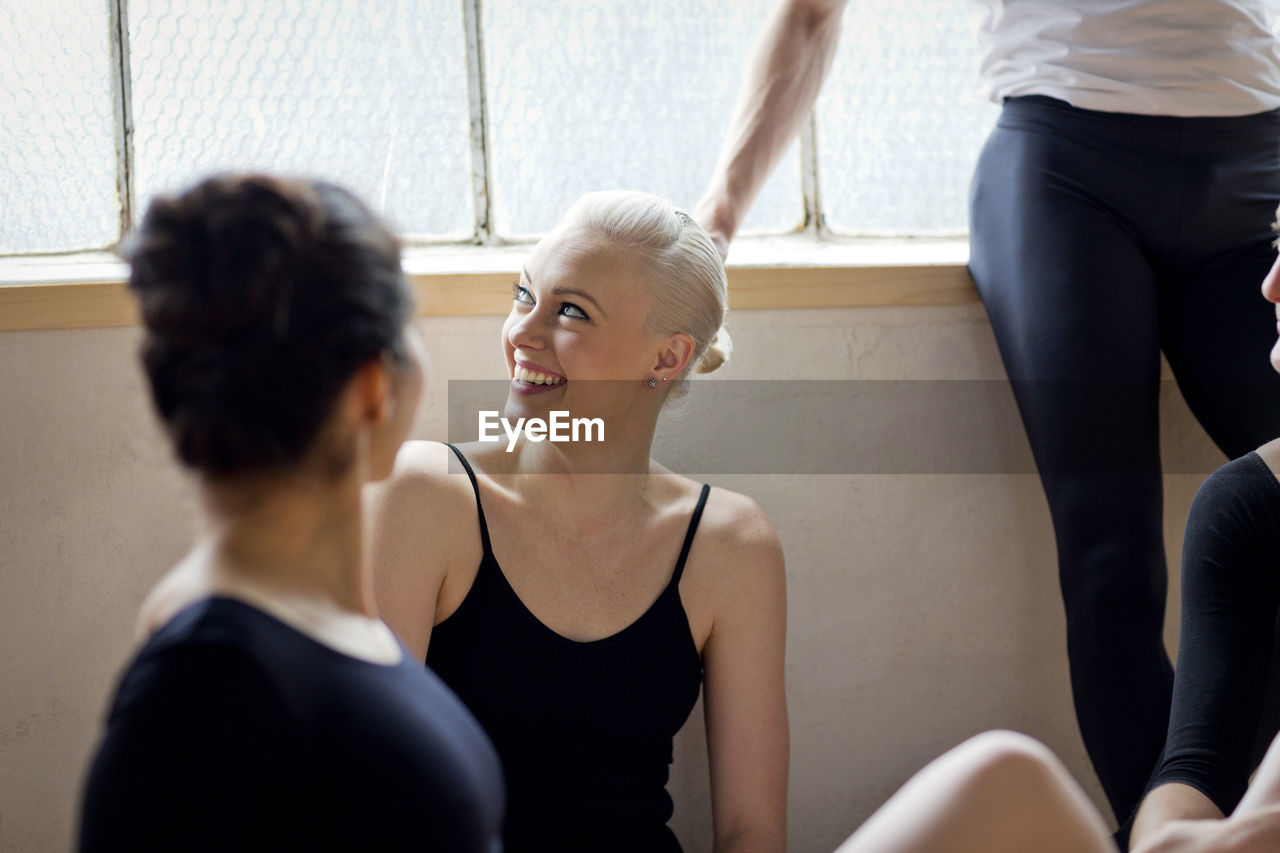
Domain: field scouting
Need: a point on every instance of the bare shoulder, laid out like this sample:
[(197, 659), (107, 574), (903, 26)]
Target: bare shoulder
[(425, 502), (729, 513), (736, 598), (733, 521), (425, 476), (739, 547), (421, 460), (738, 523)]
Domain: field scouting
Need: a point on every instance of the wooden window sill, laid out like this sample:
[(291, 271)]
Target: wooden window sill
[(798, 271)]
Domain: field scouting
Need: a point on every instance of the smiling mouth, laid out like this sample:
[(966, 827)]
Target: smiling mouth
[(525, 376)]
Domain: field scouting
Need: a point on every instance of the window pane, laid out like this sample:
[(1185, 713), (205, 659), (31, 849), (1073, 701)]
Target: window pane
[(606, 94), (372, 95), (57, 131), (900, 121)]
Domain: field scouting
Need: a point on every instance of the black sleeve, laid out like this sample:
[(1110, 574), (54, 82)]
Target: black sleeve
[(195, 747), (1229, 601)]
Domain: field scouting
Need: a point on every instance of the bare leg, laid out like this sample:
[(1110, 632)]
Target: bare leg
[(999, 792)]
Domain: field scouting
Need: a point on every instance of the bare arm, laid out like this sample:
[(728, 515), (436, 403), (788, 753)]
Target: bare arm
[(1169, 802), (1254, 832), (1254, 827), (745, 697), (404, 547), (1264, 791), (784, 75)]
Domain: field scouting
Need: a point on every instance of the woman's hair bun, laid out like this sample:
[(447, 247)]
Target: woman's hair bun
[(260, 297), (221, 262), (717, 352)]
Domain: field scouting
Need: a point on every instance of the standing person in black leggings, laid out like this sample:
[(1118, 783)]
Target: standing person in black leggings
[(1119, 209)]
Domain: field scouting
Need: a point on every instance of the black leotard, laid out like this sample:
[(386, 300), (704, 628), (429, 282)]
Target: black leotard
[(232, 731), (1230, 599), (584, 729)]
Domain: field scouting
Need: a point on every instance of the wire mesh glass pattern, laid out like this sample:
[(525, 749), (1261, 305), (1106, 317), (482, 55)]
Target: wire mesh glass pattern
[(57, 127), (586, 95), (372, 95), (900, 121), (579, 94)]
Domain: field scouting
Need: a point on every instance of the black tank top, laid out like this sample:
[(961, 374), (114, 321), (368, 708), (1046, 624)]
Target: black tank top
[(584, 729)]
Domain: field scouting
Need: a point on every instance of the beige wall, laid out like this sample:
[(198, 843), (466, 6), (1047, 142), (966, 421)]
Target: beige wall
[(922, 608)]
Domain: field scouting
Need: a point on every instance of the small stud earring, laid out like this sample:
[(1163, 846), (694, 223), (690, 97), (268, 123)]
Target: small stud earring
[(653, 382)]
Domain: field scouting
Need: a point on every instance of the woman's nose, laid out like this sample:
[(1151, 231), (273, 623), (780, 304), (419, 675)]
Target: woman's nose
[(1271, 284), (525, 331)]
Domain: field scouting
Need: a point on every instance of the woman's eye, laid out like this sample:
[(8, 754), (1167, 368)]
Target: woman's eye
[(524, 296)]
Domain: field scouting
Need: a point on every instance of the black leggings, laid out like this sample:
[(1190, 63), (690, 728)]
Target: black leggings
[(1098, 240)]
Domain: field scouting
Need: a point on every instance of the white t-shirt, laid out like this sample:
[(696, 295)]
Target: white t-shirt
[(1154, 57)]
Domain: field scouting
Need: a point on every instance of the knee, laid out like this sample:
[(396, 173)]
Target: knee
[(1001, 746), (1009, 760), (1122, 573), (1031, 801)]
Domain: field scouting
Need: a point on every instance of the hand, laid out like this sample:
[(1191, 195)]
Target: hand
[(1255, 832)]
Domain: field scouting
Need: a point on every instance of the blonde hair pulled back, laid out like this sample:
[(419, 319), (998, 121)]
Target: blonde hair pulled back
[(680, 265)]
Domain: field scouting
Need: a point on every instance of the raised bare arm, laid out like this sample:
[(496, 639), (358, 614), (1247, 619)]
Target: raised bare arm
[(789, 63)]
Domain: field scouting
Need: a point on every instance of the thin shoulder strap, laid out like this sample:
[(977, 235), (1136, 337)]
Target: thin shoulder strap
[(475, 485), (688, 537)]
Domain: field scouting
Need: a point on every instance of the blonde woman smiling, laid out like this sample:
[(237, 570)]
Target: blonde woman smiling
[(578, 595)]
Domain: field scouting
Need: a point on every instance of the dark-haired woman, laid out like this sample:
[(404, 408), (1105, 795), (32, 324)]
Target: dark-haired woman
[(269, 709)]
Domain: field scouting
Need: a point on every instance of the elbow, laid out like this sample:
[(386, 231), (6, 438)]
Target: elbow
[(813, 15)]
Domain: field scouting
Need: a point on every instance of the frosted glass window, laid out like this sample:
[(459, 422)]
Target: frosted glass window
[(617, 94), (57, 131), (371, 95), (900, 121)]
